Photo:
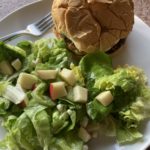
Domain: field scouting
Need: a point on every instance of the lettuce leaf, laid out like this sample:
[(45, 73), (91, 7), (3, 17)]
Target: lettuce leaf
[(96, 65), (3, 145), (125, 135), (137, 111), (3, 85), (11, 143), (21, 133), (4, 106), (50, 53), (63, 121), (26, 46), (9, 122), (60, 120), (78, 74), (41, 124), (124, 87), (97, 111), (116, 128), (120, 79), (39, 96), (10, 53), (68, 141), (24, 134)]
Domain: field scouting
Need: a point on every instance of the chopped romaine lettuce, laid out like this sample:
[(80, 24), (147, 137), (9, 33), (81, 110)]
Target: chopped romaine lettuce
[(9, 52), (125, 135), (97, 111), (9, 122), (68, 141), (11, 143), (24, 133), (4, 106), (65, 119), (26, 46), (50, 53), (41, 124), (39, 96), (3, 86), (60, 120), (96, 65), (79, 77), (3, 145)]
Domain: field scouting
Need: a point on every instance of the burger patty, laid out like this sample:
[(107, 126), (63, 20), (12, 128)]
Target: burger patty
[(73, 49), (117, 46)]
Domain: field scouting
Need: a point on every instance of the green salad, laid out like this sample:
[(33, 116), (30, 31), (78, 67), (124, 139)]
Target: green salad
[(52, 100)]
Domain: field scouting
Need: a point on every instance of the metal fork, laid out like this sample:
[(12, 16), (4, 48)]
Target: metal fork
[(37, 28)]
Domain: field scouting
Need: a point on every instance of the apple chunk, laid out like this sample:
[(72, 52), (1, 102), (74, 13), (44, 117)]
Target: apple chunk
[(16, 64), (57, 90), (6, 68), (27, 81), (47, 74), (68, 76), (105, 98), (84, 135), (80, 94)]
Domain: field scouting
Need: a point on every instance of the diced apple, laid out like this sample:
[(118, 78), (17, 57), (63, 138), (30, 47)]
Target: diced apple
[(17, 64), (57, 90), (6, 68), (80, 94), (27, 81), (68, 76), (47, 74), (84, 135), (105, 98)]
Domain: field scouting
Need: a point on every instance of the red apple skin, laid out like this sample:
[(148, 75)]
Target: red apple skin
[(51, 91), (34, 87), (22, 104)]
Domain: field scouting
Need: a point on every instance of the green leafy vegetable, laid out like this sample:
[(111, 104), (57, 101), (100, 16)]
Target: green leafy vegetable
[(9, 52), (4, 106), (69, 141), (3, 85), (26, 46), (39, 96), (59, 121), (41, 123), (9, 122), (125, 135), (96, 65), (77, 71), (24, 133), (50, 54), (11, 143), (97, 111)]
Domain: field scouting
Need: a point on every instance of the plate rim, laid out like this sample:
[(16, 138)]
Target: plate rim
[(18, 9)]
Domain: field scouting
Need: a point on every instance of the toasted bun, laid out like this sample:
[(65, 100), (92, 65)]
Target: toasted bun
[(93, 24)]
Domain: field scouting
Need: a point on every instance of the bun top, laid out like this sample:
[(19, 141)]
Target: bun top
[(93, 24)]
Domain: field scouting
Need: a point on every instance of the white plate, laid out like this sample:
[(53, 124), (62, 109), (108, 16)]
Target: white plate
[(136, 52)]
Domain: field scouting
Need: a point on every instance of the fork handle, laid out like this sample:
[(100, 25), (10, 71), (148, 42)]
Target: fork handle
[(14, 35)]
